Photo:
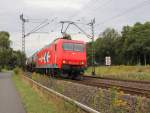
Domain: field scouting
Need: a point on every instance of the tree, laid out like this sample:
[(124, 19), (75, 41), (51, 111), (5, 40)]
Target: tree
[(8, 57), (105, 45), (5, 50), (137, 43), (18, 59), (4, 40), (132, 47)]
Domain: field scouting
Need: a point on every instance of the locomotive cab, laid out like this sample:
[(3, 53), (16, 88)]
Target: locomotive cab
[(71, 56)]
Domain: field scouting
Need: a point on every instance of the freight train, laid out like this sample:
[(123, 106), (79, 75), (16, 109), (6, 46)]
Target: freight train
[(63, 57)]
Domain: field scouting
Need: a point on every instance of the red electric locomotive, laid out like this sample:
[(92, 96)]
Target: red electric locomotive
[(62, 57)]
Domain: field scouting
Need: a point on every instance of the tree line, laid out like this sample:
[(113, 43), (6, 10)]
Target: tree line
[(129, 47), (9, 58)]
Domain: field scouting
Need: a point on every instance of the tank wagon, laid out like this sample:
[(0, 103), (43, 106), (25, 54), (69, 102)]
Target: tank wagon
[(63, 57)]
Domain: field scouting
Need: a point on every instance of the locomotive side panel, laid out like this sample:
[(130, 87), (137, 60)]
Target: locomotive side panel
[(45, 58)]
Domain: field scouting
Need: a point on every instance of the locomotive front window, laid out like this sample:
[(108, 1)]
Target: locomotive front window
[(78, 47), (73, 47), (68, 46)]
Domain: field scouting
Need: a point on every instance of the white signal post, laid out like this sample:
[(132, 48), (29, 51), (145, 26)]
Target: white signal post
[(107, 60)]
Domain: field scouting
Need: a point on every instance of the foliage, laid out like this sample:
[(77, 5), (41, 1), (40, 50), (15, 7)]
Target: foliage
[(4, 40), (130, 47), (118, 105), (8, 57), (16, 71), (105, 45), (148, 105), (139, 104)]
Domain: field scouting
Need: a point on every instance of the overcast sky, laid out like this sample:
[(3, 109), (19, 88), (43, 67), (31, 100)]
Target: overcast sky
[(108, 13)]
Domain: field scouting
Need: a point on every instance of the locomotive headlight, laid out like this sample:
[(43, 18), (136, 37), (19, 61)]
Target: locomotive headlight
[(64, 61), (82, 62)]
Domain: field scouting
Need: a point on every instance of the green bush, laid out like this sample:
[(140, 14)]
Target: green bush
[(16, 70)]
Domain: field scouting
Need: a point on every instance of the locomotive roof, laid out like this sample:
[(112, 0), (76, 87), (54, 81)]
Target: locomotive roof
[(67, 40), (78, 41)]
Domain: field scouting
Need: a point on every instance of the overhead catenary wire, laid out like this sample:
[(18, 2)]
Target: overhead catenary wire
[(24, 35), (34, 31), (38, 26), (141, 4), (79, 21)]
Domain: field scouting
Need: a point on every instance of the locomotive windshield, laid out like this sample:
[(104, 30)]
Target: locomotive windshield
[(78, 47), (68, 46), (73, 47)]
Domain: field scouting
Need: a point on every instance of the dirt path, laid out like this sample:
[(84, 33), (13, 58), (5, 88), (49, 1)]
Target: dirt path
[(10, 101)]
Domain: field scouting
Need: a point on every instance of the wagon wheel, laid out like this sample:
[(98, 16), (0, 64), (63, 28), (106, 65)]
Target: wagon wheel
[(76, 76), (64, 75)]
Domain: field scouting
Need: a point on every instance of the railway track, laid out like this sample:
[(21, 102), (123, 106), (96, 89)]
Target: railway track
[(140, 88), (123, 80)]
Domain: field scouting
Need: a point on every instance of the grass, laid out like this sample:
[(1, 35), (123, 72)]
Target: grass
[(36, 102), (33, 103), (122, 72), (3, 70)]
